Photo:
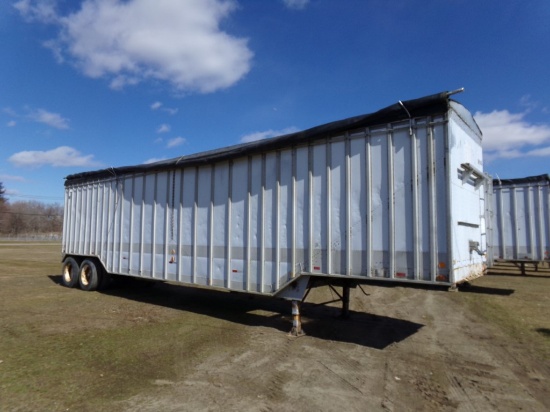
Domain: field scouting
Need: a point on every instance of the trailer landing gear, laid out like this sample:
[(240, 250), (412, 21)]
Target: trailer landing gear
[(345, 302), (343, 297), (296, 320)]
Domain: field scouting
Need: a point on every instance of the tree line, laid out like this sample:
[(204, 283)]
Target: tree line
[(29, 218)]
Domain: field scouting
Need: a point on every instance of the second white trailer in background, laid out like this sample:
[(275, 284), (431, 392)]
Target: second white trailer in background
[(521, 219)]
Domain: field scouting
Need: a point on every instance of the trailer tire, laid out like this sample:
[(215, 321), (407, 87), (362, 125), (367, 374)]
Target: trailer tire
[(89, 275), (69, 272)]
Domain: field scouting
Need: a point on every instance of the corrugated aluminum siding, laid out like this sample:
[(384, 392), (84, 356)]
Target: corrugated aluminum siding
[(372, 203), (521, 220)]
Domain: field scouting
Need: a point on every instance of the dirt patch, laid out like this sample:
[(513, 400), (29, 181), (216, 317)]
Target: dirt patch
[(173, 348)]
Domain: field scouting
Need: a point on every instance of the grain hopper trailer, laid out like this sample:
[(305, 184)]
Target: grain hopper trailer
[(397, 195), (521, 222)]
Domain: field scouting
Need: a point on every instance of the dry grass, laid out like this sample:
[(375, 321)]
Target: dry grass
[(64, 349), (519, 305)]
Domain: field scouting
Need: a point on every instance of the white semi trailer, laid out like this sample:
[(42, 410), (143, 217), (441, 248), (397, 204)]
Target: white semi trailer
[(393, 196), (521, 221)]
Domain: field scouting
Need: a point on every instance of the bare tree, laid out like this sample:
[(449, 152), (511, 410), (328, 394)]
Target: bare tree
[(3, 207), (31, 218)]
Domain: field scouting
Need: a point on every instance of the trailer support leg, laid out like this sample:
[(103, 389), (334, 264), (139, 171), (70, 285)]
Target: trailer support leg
[(296, 320), (345, 302)]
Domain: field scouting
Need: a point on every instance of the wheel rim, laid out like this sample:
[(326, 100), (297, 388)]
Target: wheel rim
[(67, 273), (85, 275)]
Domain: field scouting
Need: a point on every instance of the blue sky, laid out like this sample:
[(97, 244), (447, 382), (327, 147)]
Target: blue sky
[(99, 83)]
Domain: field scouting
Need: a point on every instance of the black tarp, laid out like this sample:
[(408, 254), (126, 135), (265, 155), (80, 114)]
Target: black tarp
[(424, 106)]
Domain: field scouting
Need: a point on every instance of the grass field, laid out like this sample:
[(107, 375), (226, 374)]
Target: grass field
[(64, 349), (524, 313)]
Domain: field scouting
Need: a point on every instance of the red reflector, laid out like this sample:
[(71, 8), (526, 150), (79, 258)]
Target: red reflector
[(401, 275), (316, 267)]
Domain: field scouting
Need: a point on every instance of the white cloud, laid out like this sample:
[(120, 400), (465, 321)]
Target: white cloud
[(12, 192), (176, 141), (527, 102), (170, 111), (62, 156), (43, 10), (156, 106), (252, 137), (129, 41), (540, 152), (10, 112), (49, 118), (56, 49), (11, 178), (296, 4), (508, 135), (154, 160), (38, 115), (163, 128)]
